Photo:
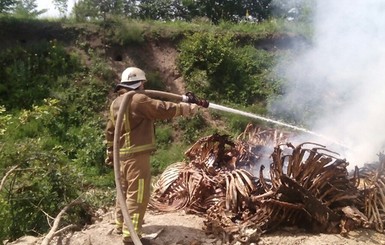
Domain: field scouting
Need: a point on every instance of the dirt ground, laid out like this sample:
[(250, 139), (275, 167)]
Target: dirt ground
[(178, 228)]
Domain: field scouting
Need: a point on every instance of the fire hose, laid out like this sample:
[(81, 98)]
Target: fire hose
[(189, 97)]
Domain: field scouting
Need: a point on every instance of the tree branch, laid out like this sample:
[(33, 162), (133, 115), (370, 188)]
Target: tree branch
[(64, 229), (6, 175), (56, 222)]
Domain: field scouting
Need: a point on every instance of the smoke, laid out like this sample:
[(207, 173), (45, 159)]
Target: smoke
[(338, 83)]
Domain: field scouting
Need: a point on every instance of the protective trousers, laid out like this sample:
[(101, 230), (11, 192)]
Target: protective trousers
[(135, 180)]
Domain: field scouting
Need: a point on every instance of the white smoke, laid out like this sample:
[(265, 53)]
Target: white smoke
[(340, 80)]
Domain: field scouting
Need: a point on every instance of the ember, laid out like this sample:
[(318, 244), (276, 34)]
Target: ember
[(306, 186)]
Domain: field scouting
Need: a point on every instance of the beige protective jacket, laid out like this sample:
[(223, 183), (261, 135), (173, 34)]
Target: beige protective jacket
[(137, 134)]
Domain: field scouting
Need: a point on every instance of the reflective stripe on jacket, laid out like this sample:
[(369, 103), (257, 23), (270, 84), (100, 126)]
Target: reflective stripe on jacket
[(137, 134)]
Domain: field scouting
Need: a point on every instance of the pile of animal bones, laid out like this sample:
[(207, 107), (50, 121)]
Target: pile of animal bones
[(260, 182)]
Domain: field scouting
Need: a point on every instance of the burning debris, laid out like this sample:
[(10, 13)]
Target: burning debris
[(261, 182)]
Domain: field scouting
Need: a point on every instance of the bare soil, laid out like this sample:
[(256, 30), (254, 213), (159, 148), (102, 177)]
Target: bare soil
[(179, 228)]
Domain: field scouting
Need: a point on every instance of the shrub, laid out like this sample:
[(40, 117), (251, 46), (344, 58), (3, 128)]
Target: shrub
[(124, 32), (222, 71), (56, 139), (24, 77), (165, 156)]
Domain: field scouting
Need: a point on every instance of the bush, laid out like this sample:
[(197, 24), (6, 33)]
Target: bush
[(56, 140), (24, 77), (163, 135), (43, 182), (165, 156), (192, 128), (217, 69)]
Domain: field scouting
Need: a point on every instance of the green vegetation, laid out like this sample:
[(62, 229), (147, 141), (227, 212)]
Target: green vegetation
[(51, 130), (55, 92), (130, 31), (222, 71)]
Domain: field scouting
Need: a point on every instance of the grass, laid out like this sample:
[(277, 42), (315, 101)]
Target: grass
[(172, 30), (165, 156)]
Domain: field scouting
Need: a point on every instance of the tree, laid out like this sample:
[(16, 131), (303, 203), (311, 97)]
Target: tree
[(27, 8), (97, 9), (84, 10), (209, 9), (229, 10), (7, 5), (156, 9), (214, 10), (61, 6), (130, 8), (298, 10), (185, 9), (111, 7)]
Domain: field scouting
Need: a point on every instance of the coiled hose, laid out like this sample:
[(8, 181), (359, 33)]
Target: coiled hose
[(116, 156)]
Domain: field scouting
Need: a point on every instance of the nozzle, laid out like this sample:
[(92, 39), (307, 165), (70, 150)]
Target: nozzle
[(203, 103), (191, 98)]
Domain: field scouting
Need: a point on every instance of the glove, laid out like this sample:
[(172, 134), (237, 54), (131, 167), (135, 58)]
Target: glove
[(189, 97), (188, 110)]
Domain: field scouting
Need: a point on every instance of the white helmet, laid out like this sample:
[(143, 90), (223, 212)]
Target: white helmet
[(132, 78)]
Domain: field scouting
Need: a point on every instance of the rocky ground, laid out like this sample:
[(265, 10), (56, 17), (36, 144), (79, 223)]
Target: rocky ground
[(178, 228)]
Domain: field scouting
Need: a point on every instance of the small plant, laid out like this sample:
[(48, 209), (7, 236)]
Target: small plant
[(163, 135), (165, 156), (192, 128)]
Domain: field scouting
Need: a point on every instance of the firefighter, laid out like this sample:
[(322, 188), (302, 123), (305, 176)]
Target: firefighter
[(137, 144)]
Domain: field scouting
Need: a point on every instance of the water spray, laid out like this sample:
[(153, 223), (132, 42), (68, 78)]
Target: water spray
[(251, 115), (191, 98)]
